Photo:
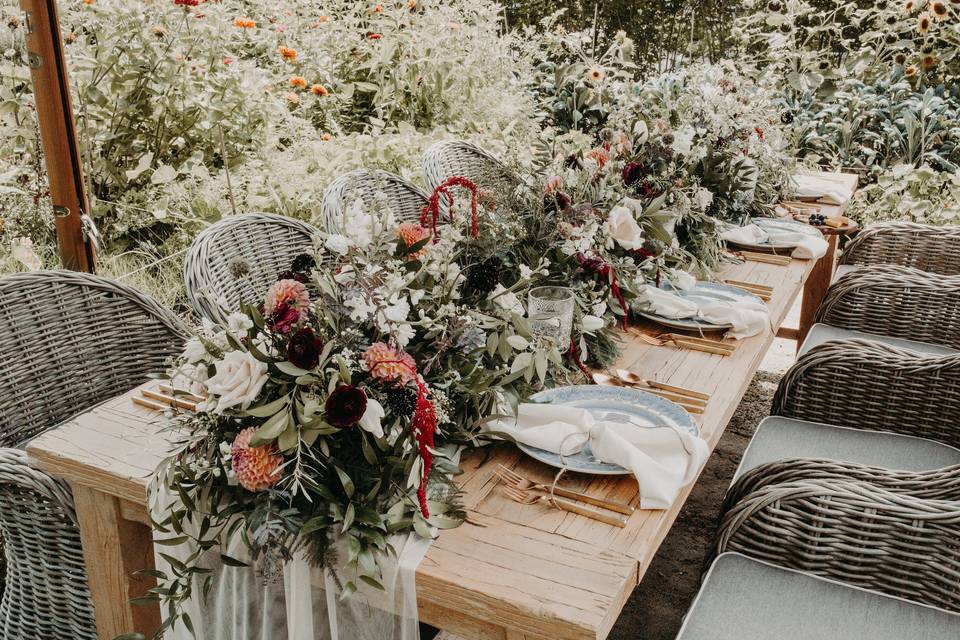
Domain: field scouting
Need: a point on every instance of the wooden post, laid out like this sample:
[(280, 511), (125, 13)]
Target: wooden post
[(57, 131)]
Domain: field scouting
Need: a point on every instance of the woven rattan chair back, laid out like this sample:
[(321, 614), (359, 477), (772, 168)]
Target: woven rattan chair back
[(45, 591), (899, 302), (869, 385), (236, 260), (855, 533), (933, 249), (458, 158), (70, 340), (405, 199)]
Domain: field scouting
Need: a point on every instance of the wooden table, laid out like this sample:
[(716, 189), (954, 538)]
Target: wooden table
[(512, 573)]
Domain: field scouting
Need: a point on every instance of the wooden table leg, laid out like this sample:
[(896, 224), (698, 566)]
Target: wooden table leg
[(114, 550), (816, 288)]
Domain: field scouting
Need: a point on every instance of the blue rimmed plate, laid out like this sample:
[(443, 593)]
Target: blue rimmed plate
[(613, 404), (701, 293)]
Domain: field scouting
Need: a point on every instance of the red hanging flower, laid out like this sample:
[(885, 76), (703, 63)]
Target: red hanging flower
[(186, 3), (603, 269), (431, 213)]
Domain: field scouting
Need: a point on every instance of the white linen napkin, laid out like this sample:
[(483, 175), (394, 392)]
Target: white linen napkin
[(808, 246), (748, 317), (663, 460), (823, 188)]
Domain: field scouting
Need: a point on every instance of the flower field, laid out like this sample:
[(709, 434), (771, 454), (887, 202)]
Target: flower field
[(188, 111)]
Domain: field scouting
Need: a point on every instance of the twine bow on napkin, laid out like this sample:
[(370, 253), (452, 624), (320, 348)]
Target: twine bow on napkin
[(663, 459)]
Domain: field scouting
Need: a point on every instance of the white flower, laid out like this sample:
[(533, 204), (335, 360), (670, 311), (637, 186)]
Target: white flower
[(595, 74), (683, 140), (403, 333), (599, 309), (194, 351), (506, 300), (592, 323), (622, 226), (238, 380), (360, 308), (398, 310), (703, 198), (370, 422), (640, 132), (239, 322), (337, 243)]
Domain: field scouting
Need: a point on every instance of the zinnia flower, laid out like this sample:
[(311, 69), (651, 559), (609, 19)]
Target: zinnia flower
[(411, 233), (256, 468), (319, 90), (373, 36), (304, 349), (291, 97), (599, 155), (186, 3), (389, 364), (326, 137), (290, 55), (298, 82), (345, 406), (244, 23)]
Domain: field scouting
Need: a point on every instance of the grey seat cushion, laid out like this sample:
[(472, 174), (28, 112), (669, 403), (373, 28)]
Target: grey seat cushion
[(844, 269), (820, 333), (745, 599), (779, 438)]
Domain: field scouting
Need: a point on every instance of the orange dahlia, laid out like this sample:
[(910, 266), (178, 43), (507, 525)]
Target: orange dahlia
[(389, 364), (256, 468), (411, 233)]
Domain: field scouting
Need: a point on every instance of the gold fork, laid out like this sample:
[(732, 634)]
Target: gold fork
[(517, 481), (524, 497)]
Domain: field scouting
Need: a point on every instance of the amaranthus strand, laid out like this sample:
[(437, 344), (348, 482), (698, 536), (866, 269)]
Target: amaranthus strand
[(424, 430), (604, 269), (431, 212), (574, 353)]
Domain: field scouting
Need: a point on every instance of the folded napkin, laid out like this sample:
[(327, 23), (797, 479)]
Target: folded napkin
[(748, 316), (807, 246), (823, 188), (662, 459)]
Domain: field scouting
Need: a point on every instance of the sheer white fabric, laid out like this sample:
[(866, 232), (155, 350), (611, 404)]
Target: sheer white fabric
[(301, 602)]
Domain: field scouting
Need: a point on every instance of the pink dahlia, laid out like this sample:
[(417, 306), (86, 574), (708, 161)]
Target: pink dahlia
[(256, 468), (389, 364), (287, 300), (411, 233)]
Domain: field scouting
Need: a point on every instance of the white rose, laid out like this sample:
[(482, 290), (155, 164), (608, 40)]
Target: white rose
[(623, 227), (238, 380), (370, 422), (337, 243), (592, 323)]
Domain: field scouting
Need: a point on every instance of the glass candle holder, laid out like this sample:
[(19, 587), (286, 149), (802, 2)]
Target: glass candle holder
[(550, 311)]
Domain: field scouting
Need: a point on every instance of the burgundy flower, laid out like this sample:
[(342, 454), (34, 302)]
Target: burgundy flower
[(304, 349), (284, 318), (186, 3), (345, 406), (556, 201), (299, 276), (633, 173)]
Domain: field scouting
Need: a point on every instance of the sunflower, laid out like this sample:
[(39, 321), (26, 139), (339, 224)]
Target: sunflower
[(900, 58), (909, 6), (924, 22), (596, 74), (928, 62), (910, 71), (940, 10)]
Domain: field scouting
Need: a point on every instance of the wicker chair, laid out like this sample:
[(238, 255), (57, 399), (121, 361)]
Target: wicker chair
[(869, 385), (236, 259), (854, 532), (458, 158), (69, 340), (933, 249), (899, 302), (404, 198)]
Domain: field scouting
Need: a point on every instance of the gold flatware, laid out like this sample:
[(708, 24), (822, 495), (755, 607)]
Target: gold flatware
[(692, 405), (769, 258), (686, 342), (181, 393), (686, 395), (762, 291), (517, 481), (161, 401), (149, 404), (528, 498)]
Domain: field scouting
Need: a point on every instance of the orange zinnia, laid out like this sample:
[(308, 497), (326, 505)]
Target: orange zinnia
[(298, 82), (244, 23), (319, 90), (290, 55)]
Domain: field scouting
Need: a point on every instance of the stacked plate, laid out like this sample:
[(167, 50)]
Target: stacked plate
[(701, 293), (773, 225)]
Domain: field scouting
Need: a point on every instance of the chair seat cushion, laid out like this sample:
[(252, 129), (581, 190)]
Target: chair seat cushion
[(745, 599), (779, 438), (844, 269), (820, 333)]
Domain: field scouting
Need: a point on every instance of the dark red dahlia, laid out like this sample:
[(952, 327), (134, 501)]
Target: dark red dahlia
[(284, 318), (345, 406), (299, 276), (633, 173), (304, 349)]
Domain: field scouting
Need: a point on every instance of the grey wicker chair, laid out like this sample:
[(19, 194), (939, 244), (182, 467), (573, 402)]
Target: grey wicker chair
[(854, 532), (898, 302), (236, 259), (68, 340), (404, 198), (458, 158), (868, 385), (933, 249)]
